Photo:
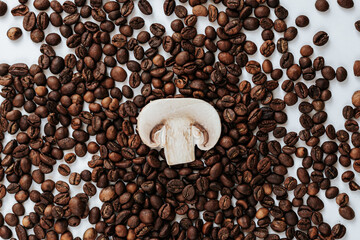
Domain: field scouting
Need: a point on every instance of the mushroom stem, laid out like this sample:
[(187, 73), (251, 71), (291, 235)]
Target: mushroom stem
[(179, 141)]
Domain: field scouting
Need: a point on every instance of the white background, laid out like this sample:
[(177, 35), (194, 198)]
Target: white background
[(342, 49)]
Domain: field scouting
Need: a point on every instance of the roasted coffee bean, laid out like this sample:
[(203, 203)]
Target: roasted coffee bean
[(37, 35), (322, 5), (169, 7), (346, 3), (341, 74), (77, 206), (20, 10), (145, 7), (356, 99), (320, 38), (338, 231), (41, 4), (29, 21), (347, 212), (53, 39), (3, 8), (302, 21), (74, 178), (14, 33)]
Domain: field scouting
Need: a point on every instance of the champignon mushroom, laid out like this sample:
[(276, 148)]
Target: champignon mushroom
[(177, 124)]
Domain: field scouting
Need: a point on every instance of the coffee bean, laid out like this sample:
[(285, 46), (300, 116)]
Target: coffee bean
[(42, 21), (342, 199), (332, 192), (3, 8), (5, 232), (118, 74), (53, 39), (137, 22), (77, 206), (41, 4), (357, 25), (302, 21), (169, 7), (345, 3), (338, 231), (341, 74), (145, 7), (175, 186), (356, 68), (347, 213), (181, 11), (322, 5), (356, 99), (320, 38), (37, 35), (74, 178), (89, 189), (20, 10), (14, 33), (29, 21)]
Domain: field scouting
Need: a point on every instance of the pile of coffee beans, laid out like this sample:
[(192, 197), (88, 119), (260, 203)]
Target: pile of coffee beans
[(238, 190)]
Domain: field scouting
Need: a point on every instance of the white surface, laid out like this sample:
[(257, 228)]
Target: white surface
[(342, 49)]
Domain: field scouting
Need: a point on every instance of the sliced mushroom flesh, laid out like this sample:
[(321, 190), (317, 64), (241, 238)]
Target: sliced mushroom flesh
[(177, 125)]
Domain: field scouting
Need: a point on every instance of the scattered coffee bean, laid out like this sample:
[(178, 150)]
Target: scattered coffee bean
[(3, 8), (320, 38), (357, 68), (302, 21), (14, 33), (357, 25), (347, 212), (346, 3), (322, 5), (356, 99)]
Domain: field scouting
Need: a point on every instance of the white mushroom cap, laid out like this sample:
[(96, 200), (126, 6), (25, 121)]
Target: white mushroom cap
[(189, 121)]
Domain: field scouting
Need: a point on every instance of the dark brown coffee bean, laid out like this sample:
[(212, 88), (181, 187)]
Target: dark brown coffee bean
[(357, 25), (347, 212), (137, 22), (345, 3), (145, 7), (3, 8), (89, 189), (41, 4), (64, 170), (341, 74), (20, 10), (37, 35), (320, 38), (74, 178), (287, 60), (322, 5), (302, 21), (331, 192), (338, 231), (77, 206), (169, 7), (315, 203), (342, 199), (175, 186), (53, 39), (29, 21)]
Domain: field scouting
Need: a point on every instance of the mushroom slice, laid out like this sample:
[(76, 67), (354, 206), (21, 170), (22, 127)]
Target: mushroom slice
[(177, 125)]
